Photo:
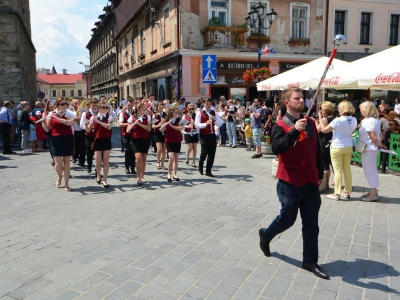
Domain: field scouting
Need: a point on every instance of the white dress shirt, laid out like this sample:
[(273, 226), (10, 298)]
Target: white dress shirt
[(198, 124)]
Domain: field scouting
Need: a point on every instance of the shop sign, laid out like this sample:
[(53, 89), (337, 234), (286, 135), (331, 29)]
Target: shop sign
[(289, 66), (234, 65)]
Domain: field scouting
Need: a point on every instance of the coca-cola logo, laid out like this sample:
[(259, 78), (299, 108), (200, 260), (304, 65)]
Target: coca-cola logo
[(331, 81), (266, 87), (392, 78), (293, 85)]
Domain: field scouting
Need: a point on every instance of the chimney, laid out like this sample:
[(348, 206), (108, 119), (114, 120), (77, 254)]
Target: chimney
[(47, 71), (64, 71)]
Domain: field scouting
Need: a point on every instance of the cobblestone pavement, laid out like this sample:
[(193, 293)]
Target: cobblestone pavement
[(193, 239)]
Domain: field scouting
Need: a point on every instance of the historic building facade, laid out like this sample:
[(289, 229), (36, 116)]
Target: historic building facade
[(103, 57), (160, 47), (17, 52)]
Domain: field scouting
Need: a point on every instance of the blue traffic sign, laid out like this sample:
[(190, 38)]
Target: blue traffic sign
[(209, 62), (209, 76)]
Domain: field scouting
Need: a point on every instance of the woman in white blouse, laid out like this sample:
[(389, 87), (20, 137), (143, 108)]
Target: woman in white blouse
[(370, 134)]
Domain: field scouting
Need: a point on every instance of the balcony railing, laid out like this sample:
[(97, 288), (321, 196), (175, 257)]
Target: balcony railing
[(224, 37)]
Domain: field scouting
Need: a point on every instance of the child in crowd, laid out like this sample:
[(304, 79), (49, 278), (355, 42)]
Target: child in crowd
[(248, 134)]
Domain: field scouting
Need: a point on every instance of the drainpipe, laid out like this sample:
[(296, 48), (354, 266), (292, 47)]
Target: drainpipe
[(178, 25), (326, 28)]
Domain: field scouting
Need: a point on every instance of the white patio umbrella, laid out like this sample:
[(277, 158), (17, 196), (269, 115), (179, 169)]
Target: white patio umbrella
[(301, 77), (379, 71)]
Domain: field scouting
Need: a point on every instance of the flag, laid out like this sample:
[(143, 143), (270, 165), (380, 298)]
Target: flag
[(265, 51), (272, 51)]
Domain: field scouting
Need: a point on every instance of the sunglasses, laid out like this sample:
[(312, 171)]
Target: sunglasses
[(104, 107), (190, 108), (63, 104), (391, 123)]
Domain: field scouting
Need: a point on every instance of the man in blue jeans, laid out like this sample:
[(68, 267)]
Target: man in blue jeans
[(255, 125), (300, 171)]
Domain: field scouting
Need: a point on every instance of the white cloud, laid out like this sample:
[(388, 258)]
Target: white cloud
[(61, 31)]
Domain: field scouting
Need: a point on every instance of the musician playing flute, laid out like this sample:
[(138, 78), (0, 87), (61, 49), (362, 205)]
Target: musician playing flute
[(102, 125), (159, 137), (191, 134), (89, 136), (300, 172), (139, 128), (205, 121), (79, 134), (59, 125), (124, 116)]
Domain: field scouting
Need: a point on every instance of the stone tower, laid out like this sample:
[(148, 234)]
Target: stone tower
[(17, 52)]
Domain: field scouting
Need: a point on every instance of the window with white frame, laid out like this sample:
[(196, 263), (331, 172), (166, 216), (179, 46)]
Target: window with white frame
[(299, 15), (365, 28), (262, 19), (394, 29), (71, 93), (219, 9), (340, 22), (165, 26)]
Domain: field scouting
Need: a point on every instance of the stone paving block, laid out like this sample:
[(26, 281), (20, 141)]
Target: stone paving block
[(97, 292), (39, 272), (29, 288), (153, 287), (236, 277), (122, 276), (169, 259), (199, 268), (9, 276), (145, 261), (378, 247), (286, 271), (89, 282), (9, 287), (359, 250), (175, 270), (222, 291), (124, 291), (303, 284), (166, 296), (276, 289), (181, 284), (39, 295), (66, 295), (225, 264), (195, 294), (148, 274), (323, 294), (295, 296), (348, 292), (210, 280), (63, 283)]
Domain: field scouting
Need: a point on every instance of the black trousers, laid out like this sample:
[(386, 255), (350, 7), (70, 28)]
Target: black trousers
[(130, 161), (5, 134), (89, 152), (208, 148), (307, 199), (79, 146)]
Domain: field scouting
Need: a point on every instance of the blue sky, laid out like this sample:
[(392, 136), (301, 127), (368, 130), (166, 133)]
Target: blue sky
[(61, 30)]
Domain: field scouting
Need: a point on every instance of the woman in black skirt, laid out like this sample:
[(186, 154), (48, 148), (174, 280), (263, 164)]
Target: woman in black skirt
[(191, 134), (59, 125), (159, 136), (102, 124), (140, 127), (172, 131)]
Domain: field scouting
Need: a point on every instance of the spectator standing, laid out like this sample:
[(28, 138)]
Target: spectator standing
[(397, 106), (383, 107), (40, 133), (24, 125), (223, 116), (5, 127), (370, 134), (231, 123), (393, 116), (240, 111), (256, 128), (342, 148), (38, 107), (18, 114)]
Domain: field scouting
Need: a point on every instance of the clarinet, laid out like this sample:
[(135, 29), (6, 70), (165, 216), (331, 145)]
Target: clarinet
[(210, 117)]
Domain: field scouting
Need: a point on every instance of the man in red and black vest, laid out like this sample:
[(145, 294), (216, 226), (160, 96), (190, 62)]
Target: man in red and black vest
[(205, 120), (126, 137), (89, 136), (300, 171)]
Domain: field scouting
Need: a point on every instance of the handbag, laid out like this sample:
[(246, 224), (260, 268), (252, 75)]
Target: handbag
[(360, 147)]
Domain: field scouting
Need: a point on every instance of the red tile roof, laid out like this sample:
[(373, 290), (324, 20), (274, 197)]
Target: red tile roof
[(59, 78)]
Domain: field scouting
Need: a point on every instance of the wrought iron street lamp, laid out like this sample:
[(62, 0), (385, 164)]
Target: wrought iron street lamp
[(254, 21)]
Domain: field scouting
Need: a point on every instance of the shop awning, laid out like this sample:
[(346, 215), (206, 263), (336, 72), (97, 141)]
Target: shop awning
[(301, 77)]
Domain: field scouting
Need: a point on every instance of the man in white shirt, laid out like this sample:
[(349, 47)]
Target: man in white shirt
[(397, 106), (308, 101), (79, 135)]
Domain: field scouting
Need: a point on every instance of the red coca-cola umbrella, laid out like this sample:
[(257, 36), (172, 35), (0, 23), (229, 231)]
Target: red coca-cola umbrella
[(379, 71)]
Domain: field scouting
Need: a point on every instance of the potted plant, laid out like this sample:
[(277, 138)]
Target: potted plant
[(256, 74), (248, 76), (266, 144)]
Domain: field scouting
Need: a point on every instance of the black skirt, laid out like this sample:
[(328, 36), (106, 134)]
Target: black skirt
[(191, 139), (102, 144), (140, 145), (62, 145), (159, 137), (174, 147)]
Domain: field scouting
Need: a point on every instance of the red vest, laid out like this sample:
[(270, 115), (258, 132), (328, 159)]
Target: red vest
[(58, 128), (125, 120), (158, 118), (100, 131), (172, 135), (88, 116), (203, 119), (297, 165), (139, 132), (189, 119)]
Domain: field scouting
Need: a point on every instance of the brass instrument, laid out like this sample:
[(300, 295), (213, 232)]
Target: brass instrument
[(210, 117), (81, 106)]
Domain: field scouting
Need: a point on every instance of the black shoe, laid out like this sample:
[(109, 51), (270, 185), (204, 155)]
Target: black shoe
[(122, 150), (89, 169), (264, 244), (9, 152), (133, 171), (98, 181), (314, 268), (176, 178), (256, 156), (139, 182), (201, 167), (209, 174), (169, 179), (105, 185), (81, 165), (74, 160), (127, 171)]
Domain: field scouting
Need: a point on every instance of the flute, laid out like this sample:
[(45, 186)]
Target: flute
[(129, 128), (166, 123), (50, 115)]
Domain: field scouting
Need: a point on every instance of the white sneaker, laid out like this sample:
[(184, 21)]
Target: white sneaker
[(27, 151)]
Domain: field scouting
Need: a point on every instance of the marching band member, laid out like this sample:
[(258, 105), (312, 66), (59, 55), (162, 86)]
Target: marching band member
[(124, 116), (205, 121), (139, 126), (159, 137), (79, 135), (89, 136), (59, 125), (172, 131), (102, 125), (191, 134)]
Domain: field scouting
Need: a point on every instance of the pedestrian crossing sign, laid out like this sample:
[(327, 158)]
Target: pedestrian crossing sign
[(209, 76)]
